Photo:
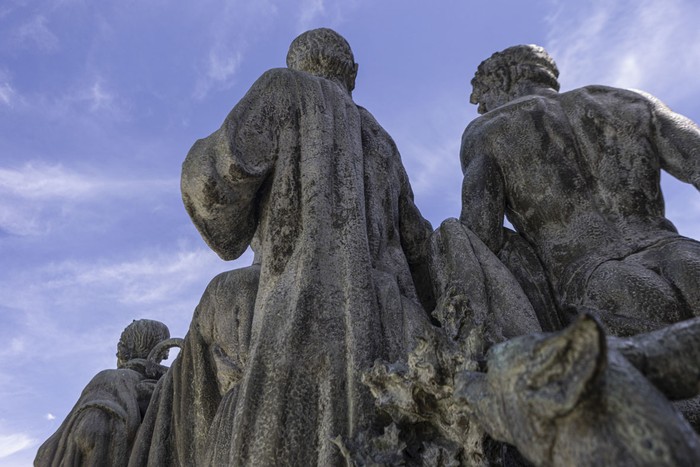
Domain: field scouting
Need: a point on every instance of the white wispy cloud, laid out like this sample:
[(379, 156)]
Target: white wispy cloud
[(36, 181), (7, 94), (427, 163), (36, 33), (324, 13), (429, 149), (140, 281), (57, 304), (35, 195), (14, 442), (236, 25), (88, 103), (222, 67), (654, 43), (309, 10), (93, 97), (99, 98), (16, 346)]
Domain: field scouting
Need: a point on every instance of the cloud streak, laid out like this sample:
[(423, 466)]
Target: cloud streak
[(36, 33), (309, 11), (145, 281), (39, 181), (653, 43), (157, 281), (7, 94), (237, 25), (34, 194), (13, 443)]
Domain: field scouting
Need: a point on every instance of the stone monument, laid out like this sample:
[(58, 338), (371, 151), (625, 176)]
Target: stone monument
[(101, 427), (271, 368), (361, 336), (578, 176), (316, 187)]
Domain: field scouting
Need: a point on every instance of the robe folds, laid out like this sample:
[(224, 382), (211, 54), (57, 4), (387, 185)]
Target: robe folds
[(318, 187), (102, 425)]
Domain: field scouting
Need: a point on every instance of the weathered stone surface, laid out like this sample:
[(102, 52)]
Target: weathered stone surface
[(577, 174), (669, 358), (204, 377), (317, 187), (473, 288), (521, 260), (101, 427), (565, 399), (361, 337), (479, 303)]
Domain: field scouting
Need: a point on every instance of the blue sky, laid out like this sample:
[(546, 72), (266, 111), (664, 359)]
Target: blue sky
[(100, 102)]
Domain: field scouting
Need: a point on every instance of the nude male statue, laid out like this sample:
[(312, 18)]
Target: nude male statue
[(577, 174)]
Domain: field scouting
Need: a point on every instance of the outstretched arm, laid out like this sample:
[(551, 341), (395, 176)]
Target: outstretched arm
[(678, 142), (483, 193)]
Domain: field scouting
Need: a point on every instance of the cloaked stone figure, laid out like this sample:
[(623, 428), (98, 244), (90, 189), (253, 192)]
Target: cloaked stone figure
[(101, 427), (317, 186), (577, 174)]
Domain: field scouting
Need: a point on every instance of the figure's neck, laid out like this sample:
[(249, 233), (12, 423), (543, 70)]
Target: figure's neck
[(528, 88), (517, 91)]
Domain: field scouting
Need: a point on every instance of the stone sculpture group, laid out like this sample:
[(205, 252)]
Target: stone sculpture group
[(362, 336)]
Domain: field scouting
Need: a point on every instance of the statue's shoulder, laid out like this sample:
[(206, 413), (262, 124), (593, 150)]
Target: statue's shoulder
[(510, 113), (277, 78), (280, 84), (116, 376), (368, 119), (492, 121), (604, 94)]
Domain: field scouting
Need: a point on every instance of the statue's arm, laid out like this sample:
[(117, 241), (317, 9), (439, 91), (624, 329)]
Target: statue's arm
[(223, 173), (414, 228), (678, 142), (483, 192), (415, 231)]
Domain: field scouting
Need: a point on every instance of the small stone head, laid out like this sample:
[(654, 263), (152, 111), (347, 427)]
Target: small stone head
[(325, 53), (139, 338), (510, 74)]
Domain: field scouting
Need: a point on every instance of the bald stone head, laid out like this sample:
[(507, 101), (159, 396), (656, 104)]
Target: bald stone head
[(325, 53), (512, 73)]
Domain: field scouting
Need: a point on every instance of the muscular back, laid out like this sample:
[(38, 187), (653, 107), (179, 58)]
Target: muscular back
[(575, 173), (617, 137), (524, 156)]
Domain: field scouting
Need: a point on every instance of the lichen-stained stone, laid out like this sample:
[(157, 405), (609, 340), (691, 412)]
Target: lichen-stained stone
[(577, 174), (317, 186), (566, 399), (102, 426)]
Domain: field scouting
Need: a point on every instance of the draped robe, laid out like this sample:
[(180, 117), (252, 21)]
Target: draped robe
[(102, 425), (320, 185)]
